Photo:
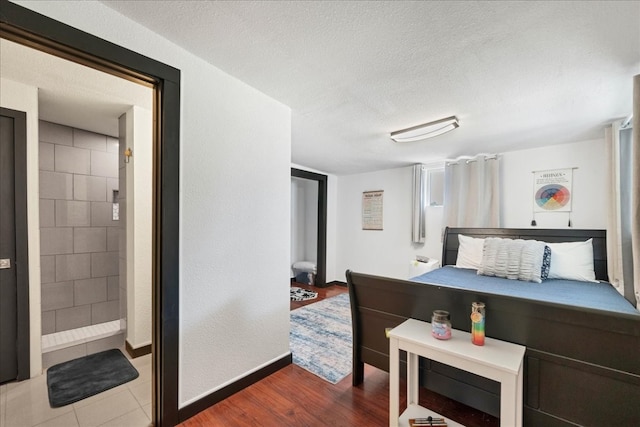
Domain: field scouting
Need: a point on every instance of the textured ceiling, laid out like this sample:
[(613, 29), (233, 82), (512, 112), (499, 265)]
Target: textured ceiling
[(516, 74)]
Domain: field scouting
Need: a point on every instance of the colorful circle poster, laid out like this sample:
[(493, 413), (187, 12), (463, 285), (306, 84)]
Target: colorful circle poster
[(552, 190)]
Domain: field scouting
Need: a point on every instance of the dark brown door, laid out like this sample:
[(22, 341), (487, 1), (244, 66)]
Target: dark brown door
[(8, 283), (14, 283)]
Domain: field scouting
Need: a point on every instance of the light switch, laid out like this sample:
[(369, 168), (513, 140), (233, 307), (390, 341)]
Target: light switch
[(116, 211)]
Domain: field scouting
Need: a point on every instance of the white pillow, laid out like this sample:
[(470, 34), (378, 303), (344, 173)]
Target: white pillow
[(469, 252), (572, 261)]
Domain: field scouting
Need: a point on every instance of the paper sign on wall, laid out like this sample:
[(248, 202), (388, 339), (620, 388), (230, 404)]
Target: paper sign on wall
[(552, 190), (372, 210)]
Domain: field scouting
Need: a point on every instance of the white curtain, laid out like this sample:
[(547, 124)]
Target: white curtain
[(619, 263), (635, 188), (472, 192), (623, 228)]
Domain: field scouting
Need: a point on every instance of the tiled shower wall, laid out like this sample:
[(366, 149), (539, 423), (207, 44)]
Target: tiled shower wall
[(79, 240)]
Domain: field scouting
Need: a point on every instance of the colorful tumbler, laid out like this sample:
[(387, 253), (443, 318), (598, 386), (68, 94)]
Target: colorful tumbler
[(477, 323)]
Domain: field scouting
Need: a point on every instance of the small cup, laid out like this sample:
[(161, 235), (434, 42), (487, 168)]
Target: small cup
[(441, 325)]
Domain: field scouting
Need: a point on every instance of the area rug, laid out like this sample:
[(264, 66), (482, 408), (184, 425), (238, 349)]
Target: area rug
[(299, 294), (78, 379), (320, 338)]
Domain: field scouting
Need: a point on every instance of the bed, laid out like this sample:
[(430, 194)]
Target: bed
[(582, 363)]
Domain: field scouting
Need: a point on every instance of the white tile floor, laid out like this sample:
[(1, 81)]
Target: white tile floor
[(26, 404)]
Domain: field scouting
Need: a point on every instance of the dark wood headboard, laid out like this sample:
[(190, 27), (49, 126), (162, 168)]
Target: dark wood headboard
[(552, 235)]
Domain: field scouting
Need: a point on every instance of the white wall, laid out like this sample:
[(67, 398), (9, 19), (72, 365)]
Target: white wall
[(311, 220), (590, 193), (304, 220), (332, 220), (21, 97), (235, 192), (389, 252), (139, 220)]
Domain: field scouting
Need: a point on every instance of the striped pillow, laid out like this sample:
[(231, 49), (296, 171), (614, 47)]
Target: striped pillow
[(513, 259)]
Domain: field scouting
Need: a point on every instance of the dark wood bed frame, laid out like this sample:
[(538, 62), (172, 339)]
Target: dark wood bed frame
[(582, 366)]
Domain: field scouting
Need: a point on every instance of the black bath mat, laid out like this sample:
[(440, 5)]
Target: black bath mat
[(80, 378)]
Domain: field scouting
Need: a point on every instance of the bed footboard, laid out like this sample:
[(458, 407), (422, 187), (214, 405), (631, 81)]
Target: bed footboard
[(582, 366)]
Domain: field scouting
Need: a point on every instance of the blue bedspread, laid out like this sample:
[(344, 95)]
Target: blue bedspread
[(599, 296)]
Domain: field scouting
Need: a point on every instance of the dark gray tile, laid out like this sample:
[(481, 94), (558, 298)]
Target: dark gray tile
[(90, 291), (45, 157), (73, 267), (72, 160), (89, 239), (52, 358), (92, 188), (56, 241), (112, 144), (113, 239), (48, 322), (47, 269), (104, 264), (47, 213), (89, 140), (72, 318), (122, 185), (122, 239), (105, 312), (55, 133), (114, 341), (122, 272), (113, 288), (102, 215), (123, 303), (104, 164), (113, 184), (57, 295), (54, 185), (70, 213)]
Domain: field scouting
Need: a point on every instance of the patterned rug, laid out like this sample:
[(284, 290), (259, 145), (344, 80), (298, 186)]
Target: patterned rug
[(320, 338), (299, 294)]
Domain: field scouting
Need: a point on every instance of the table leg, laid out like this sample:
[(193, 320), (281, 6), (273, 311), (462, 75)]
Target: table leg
[(511, 401), (519, 397), (394, 382), (412, 379)]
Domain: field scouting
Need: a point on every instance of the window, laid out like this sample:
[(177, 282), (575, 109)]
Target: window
[(436, 187)]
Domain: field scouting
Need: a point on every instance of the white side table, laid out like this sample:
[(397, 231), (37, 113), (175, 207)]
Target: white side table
[(497, 360), (416, 268)]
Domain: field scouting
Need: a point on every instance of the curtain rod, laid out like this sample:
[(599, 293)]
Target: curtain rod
[(471, 159)]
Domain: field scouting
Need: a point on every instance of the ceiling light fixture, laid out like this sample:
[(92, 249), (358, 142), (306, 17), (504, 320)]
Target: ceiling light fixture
[(427, 130)]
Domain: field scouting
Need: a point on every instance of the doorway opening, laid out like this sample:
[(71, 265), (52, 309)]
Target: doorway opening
[(31, 29), (314, 184)]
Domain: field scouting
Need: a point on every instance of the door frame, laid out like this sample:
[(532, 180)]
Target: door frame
[(321, 274), (37, 31), (21, 264)]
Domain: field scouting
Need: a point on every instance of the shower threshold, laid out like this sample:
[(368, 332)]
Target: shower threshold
[(73, 337)]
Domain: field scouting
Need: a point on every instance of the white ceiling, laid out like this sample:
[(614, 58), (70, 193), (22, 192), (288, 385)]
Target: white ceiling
[(71, 94), (516, 74)]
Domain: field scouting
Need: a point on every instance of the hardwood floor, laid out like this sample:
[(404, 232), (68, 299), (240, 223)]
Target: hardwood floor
[(323, 293), (295, 397)]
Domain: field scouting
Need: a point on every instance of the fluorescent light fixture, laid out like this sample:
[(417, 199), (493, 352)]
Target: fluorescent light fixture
[(427, 130)]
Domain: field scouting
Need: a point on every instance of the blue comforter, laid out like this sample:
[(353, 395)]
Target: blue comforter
[(599, 296)]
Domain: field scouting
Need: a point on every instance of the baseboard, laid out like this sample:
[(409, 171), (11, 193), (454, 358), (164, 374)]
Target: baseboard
[(337, 283), (219, 395), (137, 352)]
